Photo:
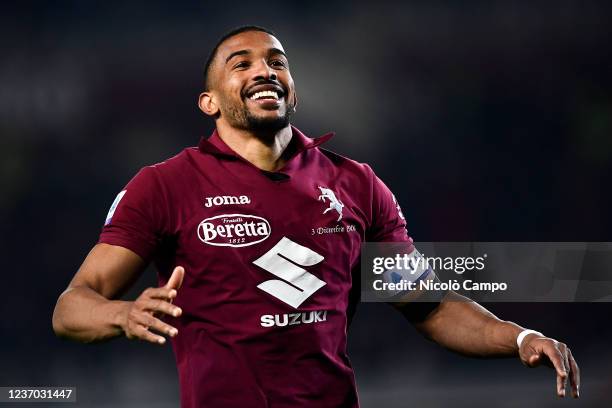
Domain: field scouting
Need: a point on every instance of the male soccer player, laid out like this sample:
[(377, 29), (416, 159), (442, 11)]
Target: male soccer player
[(256, 236)]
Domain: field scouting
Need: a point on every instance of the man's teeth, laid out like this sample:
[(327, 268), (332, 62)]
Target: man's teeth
[(263, 94)]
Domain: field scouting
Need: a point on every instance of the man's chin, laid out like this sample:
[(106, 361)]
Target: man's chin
[(267, 123)]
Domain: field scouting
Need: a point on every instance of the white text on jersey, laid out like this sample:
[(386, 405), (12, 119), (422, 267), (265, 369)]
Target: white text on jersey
[(226, 200), (290, 319)]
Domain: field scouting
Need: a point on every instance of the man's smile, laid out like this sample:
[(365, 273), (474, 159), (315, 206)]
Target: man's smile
[(268, 95)]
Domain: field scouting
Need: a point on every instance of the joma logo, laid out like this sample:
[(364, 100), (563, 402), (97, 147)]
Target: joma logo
[(226, 200)]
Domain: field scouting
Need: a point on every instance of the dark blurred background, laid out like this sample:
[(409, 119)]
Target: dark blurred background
[(490, 120)]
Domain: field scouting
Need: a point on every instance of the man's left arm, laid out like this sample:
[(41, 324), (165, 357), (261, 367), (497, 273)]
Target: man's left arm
[(462, 325), (458, 323)]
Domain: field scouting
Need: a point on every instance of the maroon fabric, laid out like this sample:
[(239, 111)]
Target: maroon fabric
[(228, 355)]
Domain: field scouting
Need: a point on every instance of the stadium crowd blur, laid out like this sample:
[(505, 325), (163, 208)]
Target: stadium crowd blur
[(490, 121)]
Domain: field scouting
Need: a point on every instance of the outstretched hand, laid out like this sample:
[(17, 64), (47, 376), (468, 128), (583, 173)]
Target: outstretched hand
[(536, 350), (141, 315)]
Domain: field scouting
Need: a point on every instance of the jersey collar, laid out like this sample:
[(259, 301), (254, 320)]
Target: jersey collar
[(216, 146)]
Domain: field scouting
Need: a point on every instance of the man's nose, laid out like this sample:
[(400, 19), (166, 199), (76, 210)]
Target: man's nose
[(263, 71)]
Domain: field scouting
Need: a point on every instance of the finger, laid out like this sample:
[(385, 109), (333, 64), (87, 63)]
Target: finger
[(160, 306), (566, 366), (574, 375), (560, 386), (154, 323), (556, 358), (176, 279), (159, 293), (142, 333)]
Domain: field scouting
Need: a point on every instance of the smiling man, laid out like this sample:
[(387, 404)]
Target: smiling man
[(256, 236)]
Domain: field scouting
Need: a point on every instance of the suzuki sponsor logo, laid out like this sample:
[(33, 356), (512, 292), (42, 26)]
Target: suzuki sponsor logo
[(285, 261), (235, 230), (294, 284), (291, 319), (226, 200)]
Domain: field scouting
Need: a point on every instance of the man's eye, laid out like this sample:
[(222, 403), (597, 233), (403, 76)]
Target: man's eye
[(278, 63), (241, 64)]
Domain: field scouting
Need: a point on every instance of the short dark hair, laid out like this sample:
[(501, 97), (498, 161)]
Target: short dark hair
[(229, 34)]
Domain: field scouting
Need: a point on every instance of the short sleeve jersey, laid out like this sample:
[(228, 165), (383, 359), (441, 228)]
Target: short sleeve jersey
[(270, 261)]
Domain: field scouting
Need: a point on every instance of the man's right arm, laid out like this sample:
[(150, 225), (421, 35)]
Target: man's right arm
[(87, 311)]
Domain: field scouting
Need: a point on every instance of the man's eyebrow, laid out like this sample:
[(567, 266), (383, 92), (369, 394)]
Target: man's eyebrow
[(271, 51), (277, 51), (236, 53)]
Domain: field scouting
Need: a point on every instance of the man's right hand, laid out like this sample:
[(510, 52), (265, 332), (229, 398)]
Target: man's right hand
[(140, 318)]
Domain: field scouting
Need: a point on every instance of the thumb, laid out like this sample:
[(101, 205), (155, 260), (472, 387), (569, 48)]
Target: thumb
[(533, 360), (176, 279)]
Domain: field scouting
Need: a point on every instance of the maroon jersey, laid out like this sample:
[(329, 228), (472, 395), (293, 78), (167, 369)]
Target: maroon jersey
[(270, 258)]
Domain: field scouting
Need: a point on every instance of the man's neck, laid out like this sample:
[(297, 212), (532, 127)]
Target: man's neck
[(263, 151)]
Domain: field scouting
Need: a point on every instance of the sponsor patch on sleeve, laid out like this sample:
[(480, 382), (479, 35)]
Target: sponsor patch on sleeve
[(113, 207)]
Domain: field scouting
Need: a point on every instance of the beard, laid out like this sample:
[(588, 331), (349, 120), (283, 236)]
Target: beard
[(239, 116)]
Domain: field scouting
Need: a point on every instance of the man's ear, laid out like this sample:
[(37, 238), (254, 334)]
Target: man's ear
[(295, 101), (207, 104)]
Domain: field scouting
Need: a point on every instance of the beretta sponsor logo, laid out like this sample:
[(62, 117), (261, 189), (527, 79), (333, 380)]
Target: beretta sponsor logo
[(236, 230)]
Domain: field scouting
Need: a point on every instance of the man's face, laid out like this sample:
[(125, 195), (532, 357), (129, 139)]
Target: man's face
[(251, 82)]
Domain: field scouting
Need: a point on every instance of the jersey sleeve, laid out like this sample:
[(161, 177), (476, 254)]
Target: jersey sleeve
[(388, 223), (138, 218)]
